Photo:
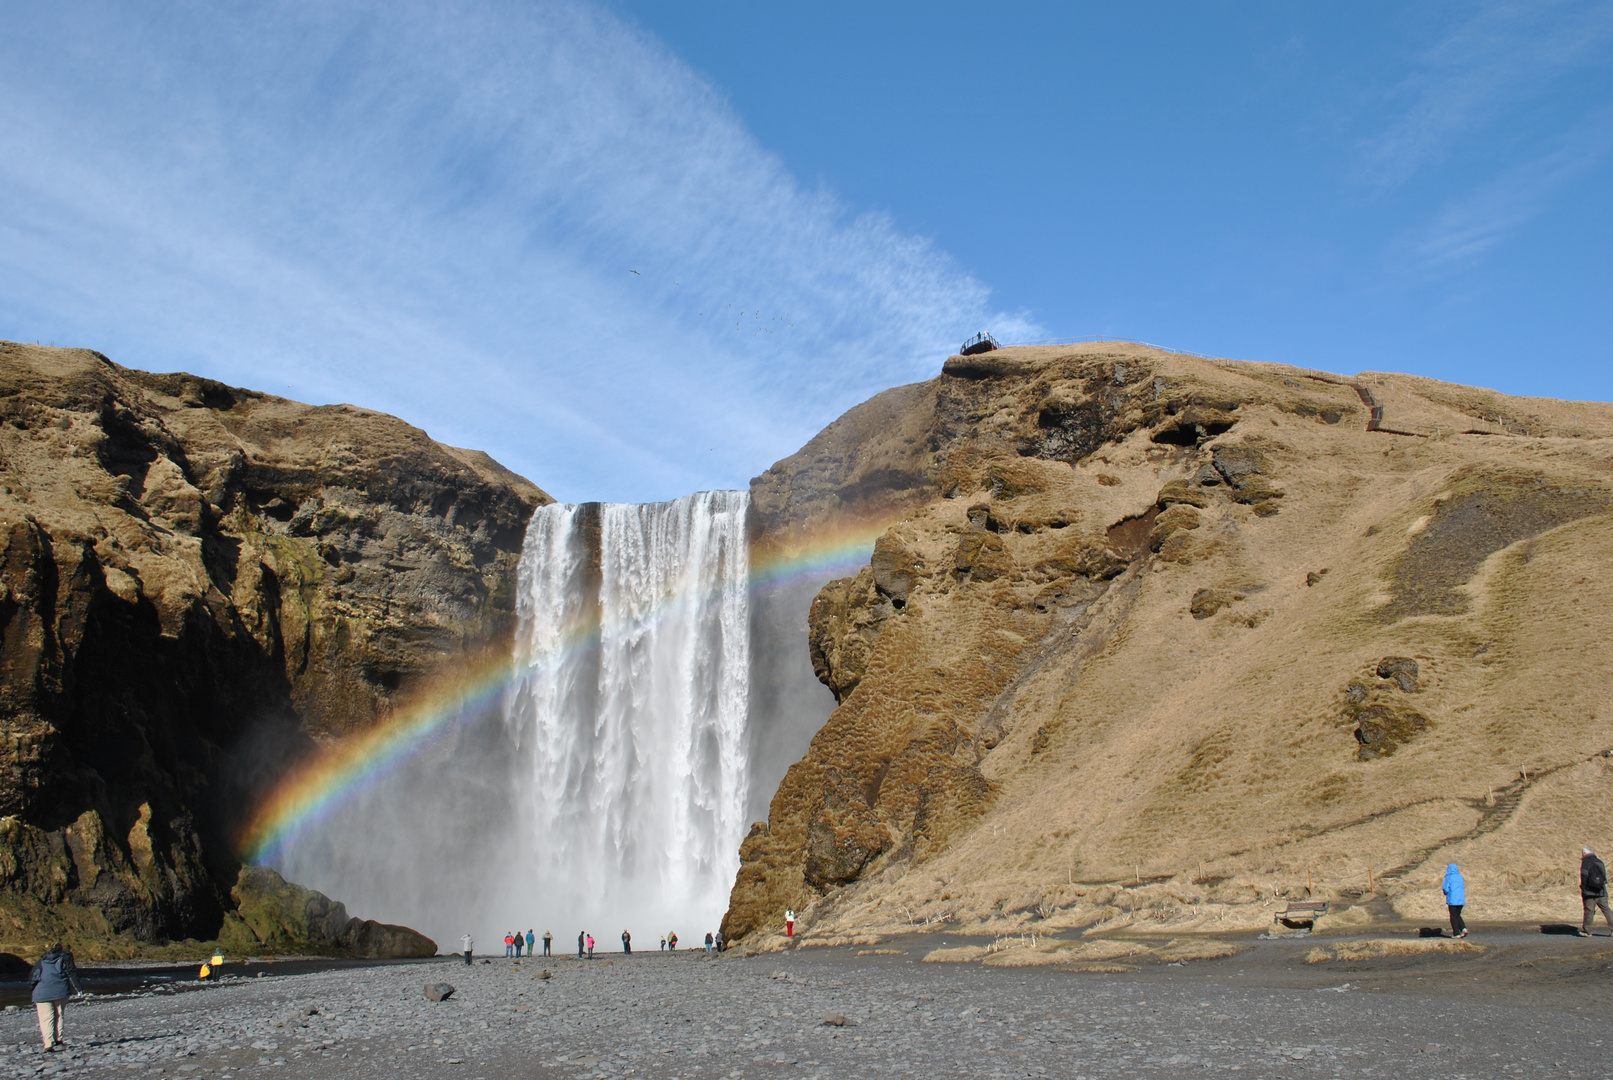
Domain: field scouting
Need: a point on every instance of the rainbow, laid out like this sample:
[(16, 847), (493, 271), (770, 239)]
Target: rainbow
[(335, 774)]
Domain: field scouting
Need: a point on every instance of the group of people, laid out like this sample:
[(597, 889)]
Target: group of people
[(513, 942), (1592, 893), (669, 943)]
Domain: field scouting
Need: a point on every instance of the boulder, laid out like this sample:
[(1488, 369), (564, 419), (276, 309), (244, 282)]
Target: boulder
[(1181, 491), (1402, 669), (1172, 520), (286, 917), (1206, 602), (1384, 726), (439, 991)]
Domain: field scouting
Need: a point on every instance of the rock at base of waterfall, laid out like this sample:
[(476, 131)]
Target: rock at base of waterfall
[(283, 916), (439, 991)]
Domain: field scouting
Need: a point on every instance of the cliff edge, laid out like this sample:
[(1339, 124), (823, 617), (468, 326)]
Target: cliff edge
[(197, 584), (1155, 640)]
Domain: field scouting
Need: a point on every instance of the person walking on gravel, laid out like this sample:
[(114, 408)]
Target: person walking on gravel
[(1455, 890), (1593, 890), (466, 945), (55, 979), (548, 939)]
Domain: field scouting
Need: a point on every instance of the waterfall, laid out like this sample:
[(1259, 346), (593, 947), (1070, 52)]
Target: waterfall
[(628, 712)]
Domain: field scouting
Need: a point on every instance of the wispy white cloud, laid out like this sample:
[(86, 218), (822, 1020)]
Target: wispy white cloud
[(433, 209), (1469, 227), (1504, 53)]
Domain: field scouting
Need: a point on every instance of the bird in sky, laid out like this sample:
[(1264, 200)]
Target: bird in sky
[(635, 272)]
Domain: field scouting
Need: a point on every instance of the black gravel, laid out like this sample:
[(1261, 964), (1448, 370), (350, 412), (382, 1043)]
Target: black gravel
[(1265, 1014)]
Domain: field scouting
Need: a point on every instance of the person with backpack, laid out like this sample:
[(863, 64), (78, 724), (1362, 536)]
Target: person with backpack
[(672, 942), (55, 979), (1593, 890), (1455, 890), (708, 942)]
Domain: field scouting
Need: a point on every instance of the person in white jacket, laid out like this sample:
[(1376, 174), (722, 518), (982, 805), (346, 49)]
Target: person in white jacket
[(466, 945)]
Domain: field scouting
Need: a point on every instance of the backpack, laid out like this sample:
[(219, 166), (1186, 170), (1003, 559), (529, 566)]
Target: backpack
[(1595, 874)]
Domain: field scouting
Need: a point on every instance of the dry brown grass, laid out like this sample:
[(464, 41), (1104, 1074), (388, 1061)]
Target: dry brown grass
[(1158, 772), (1206, 949), (1384, 947), (959, 954), (881, 952)]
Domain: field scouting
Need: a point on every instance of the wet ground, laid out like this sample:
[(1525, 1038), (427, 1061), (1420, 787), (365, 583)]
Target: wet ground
[(1530, 1004)]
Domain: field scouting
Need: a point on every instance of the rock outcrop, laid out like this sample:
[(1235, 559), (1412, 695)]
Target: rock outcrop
[(1093, 668), (272, 914), (197, 584)]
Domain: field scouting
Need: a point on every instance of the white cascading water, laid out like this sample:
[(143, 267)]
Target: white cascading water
[(628, 711)]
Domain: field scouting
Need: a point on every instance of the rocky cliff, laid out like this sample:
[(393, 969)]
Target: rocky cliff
[(197, 584), (1153, 639)]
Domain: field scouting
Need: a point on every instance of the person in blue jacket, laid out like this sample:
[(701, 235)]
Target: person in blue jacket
[(55, 979), (1455, 890)]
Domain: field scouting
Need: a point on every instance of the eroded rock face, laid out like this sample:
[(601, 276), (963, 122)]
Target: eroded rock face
[(1006, 539), (187, 569), (1114, 657)]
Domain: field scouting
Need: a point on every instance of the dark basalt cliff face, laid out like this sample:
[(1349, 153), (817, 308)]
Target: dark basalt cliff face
[(197, 583)]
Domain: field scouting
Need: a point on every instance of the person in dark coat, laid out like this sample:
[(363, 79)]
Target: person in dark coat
[(581, 937), (627, 943), (548, 939), (1593, 890), (55, 979)]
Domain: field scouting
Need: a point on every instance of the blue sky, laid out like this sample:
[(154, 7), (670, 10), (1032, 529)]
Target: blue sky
[(435, 209)]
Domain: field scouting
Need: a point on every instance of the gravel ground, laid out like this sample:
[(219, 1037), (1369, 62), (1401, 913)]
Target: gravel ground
[(1526, 1008)]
